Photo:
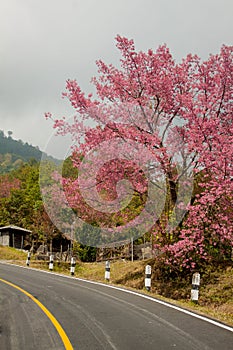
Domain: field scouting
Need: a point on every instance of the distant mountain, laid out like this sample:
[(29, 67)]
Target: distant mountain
[(13, 153)]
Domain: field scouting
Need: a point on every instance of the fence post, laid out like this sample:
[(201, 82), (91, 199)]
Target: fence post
[(107, 270), (148, 277), (195, 286), (28, 259), (51, 262), (72, 267)]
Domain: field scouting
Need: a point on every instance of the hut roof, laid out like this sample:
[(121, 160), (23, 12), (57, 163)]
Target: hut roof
[(13, 227)]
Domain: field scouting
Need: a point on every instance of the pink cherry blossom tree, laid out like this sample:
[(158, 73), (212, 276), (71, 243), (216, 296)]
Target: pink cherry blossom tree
[(7, 184), (161, 132)]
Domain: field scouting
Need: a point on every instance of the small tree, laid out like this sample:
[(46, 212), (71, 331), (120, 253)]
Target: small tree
[(9, 133)]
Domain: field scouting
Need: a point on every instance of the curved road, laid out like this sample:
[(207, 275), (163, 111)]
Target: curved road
[(94, 317)]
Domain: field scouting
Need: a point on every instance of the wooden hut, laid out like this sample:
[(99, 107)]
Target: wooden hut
[(13, 236)]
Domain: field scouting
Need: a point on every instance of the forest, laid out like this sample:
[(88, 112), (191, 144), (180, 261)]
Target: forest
[(14, 153)]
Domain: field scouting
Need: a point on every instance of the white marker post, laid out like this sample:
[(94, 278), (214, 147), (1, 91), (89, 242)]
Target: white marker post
[(148, 277), (51, 262), (72, 267), (28, 259), (107, 270), (195, 286)]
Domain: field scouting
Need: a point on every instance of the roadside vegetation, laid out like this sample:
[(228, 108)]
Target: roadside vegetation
[(216, 289)]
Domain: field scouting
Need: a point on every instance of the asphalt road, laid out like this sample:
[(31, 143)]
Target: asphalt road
[(94, 317)]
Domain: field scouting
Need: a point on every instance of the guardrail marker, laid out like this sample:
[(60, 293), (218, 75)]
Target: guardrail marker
[(51, 262), (107, 270), (148, 277), (72, 267), (195, 286), (28, 259)]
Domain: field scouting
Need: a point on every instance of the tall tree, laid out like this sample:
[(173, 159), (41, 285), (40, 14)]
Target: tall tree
[(171, 122)]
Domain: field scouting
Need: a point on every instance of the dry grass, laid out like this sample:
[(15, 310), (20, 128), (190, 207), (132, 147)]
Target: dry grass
[(216, 291), (7, 253)]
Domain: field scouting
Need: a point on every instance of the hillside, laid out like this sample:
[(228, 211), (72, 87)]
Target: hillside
[(15, 152)]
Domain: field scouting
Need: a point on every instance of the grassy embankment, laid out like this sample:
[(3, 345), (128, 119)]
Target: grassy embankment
[(216, 290)]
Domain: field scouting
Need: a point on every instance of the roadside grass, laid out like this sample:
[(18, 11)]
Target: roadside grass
[(216, 289), (8, 253)]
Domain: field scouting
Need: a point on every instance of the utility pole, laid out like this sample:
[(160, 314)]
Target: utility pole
[(131, 248)]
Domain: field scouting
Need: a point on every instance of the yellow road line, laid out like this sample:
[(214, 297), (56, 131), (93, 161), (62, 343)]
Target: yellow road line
[(60, 330)]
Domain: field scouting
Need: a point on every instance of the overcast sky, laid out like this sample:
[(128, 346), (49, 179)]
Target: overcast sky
[(45, 42)]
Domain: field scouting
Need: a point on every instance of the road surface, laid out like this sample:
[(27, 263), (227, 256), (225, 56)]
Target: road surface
[(58, 312)]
